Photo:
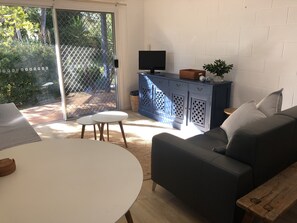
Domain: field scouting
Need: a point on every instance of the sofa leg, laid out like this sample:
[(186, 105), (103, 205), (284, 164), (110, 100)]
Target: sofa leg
[(154, 186)]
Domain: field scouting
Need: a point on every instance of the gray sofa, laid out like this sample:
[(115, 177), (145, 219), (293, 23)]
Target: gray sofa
[(14, 128), (209, 173)]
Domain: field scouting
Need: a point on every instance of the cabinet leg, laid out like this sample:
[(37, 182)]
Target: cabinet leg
[(154, 186)]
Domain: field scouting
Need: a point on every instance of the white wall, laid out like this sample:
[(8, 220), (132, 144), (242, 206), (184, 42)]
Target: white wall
[(258, 36)]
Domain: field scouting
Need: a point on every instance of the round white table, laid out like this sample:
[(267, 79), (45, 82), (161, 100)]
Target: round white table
[(107, 117), (69, 180)]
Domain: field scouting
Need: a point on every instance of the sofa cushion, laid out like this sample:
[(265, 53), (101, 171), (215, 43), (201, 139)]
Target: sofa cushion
[(245, 114), (291, 112), (220, 150), (206, 141), (218, 133), (272, 103)]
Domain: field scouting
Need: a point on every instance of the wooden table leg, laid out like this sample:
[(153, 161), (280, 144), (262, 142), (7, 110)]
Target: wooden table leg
[(99, 127), (95, 135), (107, 131), (123, 134), (101, 131), (82, 131), (129, 217)]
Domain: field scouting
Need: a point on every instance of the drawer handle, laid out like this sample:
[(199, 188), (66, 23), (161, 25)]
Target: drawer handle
[(199, 88)]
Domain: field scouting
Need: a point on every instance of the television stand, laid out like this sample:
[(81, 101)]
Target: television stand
[(183, 103)]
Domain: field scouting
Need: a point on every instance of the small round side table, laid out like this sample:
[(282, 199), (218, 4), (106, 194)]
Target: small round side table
[(229, 111), (87, 120), (107, 117)]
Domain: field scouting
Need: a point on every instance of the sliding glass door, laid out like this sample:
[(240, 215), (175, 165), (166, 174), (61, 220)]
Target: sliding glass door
[(28, 59), (87, 52)]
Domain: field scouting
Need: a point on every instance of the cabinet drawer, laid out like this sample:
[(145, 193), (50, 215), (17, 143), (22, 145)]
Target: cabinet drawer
[(160, 82), (200, 89), (178, 86)]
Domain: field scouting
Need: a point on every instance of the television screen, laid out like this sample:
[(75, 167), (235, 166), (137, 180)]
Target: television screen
[(152, 60)]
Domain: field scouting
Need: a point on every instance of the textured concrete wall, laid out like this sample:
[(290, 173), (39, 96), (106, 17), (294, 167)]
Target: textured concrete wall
[(258, 37)]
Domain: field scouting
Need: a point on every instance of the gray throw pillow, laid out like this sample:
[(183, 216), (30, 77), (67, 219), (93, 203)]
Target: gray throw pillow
[(272, 103), (242, 116)]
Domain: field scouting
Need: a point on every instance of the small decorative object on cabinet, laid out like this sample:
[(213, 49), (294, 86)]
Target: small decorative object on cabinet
[(182, 103), (218, 68), (191, 74)]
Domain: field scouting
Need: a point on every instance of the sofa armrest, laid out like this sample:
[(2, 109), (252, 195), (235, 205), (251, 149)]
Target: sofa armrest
[(14, 128), (200, 176)]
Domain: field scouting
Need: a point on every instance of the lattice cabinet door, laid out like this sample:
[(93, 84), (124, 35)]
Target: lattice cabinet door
[(160, 96), (200, 100), (179, 101), (145, 94)]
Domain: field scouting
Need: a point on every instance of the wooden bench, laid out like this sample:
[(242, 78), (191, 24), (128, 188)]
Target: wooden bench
[(270, 200)]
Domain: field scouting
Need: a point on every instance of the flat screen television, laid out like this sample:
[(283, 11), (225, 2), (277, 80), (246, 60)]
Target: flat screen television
[(152, 60)]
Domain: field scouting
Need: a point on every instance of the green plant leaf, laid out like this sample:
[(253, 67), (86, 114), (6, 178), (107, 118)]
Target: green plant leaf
[(218, 67)]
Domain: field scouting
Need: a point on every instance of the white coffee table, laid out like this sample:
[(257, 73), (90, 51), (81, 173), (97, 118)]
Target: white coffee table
[(107, 117), (87, 120), (69, 180)]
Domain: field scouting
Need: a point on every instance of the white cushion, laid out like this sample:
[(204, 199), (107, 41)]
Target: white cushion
[(272, 103), (245, 114)]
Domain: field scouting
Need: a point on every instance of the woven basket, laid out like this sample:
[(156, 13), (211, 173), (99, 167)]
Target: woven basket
[(134, 103)]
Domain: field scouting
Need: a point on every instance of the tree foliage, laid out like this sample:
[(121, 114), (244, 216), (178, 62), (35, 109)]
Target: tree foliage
[(26, 46), (14, 24), (25, 68), (27, 62), (42, 17)]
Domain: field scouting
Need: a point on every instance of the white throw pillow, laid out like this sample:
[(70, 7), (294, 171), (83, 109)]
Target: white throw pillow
[(272, 103), (245, 114)]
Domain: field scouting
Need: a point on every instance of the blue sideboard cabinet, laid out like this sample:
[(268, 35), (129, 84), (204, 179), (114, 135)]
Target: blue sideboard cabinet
[(179, 102)]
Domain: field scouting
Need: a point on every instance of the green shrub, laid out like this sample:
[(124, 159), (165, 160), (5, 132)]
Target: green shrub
[(24, 68)]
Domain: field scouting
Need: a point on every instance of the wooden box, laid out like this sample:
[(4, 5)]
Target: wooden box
[(191, 74)]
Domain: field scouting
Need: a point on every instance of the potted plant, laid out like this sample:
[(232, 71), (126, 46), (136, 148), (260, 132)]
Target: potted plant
[(218, 68)]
